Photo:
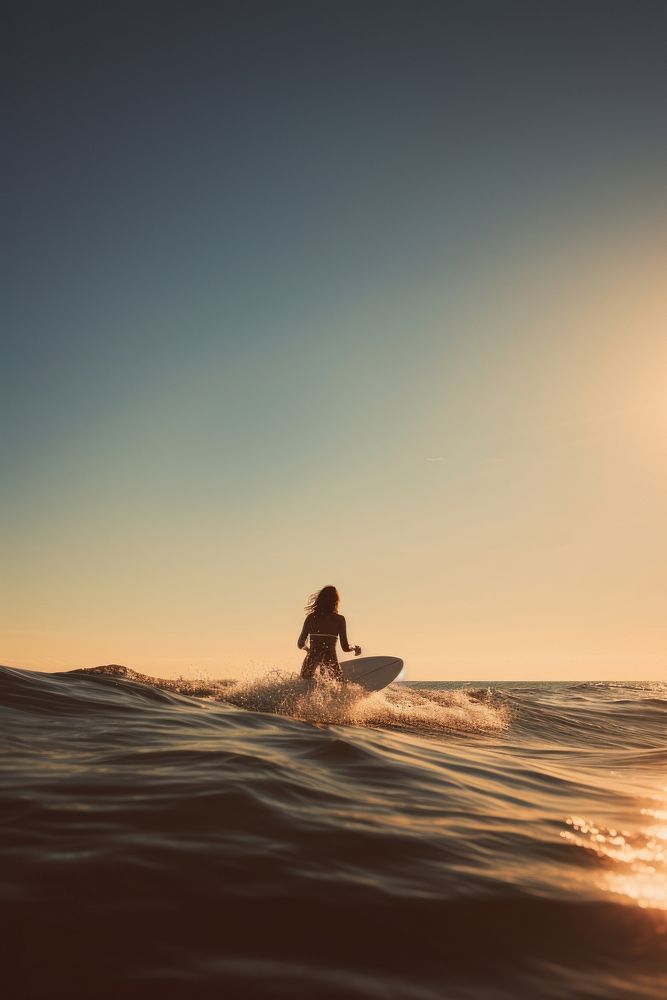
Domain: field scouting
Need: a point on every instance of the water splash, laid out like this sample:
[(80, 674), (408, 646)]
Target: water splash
[(327, 702)]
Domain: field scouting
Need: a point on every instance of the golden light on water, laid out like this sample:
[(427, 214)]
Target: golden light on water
[(638, 860)]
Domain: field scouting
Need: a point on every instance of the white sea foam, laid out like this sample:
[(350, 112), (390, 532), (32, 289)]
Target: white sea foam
[(326, 701)]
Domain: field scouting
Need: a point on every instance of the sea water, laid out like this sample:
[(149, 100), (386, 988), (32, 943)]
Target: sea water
[(270, 838)]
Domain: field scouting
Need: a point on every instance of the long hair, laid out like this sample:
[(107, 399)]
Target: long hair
[(324, 602)]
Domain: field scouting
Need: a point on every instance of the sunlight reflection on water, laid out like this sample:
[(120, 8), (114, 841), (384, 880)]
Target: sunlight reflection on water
[(638, 860)]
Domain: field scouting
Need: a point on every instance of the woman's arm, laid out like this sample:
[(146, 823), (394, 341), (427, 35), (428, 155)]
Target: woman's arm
[(342, 632), (301, 641)]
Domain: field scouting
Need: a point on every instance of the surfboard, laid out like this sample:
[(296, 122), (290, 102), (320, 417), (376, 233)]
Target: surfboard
[(372, 672)]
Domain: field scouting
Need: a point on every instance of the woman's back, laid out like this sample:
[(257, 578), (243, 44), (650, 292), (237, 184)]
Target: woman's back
[(325, 624)]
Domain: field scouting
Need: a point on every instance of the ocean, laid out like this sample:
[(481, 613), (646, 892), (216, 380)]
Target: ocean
[(261, 839)]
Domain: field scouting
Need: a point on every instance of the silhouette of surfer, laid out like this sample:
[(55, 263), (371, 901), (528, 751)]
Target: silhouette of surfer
[(324, 626)]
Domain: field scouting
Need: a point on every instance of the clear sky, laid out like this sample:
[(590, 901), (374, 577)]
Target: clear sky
[(370, 294)]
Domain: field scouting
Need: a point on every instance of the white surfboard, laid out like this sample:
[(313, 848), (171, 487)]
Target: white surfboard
[(372, 672)]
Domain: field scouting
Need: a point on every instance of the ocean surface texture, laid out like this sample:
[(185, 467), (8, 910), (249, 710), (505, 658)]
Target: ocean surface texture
[(262, 839)]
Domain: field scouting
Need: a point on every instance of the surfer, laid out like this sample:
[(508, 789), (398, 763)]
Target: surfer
[(324, 626)]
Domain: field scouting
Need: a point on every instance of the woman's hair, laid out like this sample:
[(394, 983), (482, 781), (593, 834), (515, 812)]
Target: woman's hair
[(324, 602)]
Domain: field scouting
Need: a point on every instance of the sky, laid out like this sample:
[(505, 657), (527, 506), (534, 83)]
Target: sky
[(366, 293)]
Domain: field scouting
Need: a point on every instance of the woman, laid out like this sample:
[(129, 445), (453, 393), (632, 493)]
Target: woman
[(324, 626)]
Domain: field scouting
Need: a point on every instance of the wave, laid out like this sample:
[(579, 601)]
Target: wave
[(326, 702), (323, 702), (592, 716)]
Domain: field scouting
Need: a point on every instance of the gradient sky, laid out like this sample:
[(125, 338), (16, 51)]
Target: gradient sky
[(362, 293)]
